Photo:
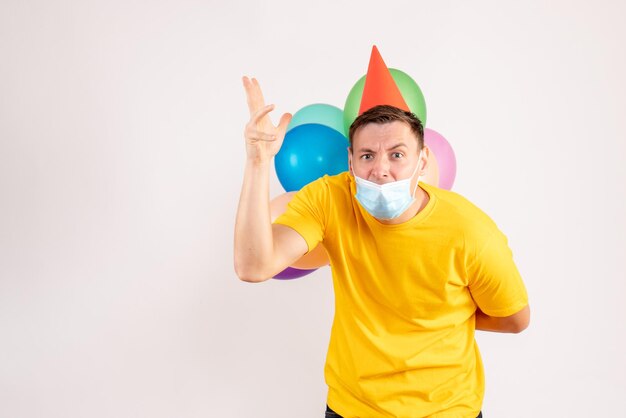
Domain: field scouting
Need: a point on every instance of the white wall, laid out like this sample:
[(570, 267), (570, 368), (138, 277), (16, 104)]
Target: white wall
[(121, 159)]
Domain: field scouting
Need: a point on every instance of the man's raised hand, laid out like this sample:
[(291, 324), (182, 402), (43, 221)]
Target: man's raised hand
[(263, 139)]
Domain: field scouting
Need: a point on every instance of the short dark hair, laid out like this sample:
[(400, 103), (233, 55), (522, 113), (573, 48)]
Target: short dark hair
[(382, 114)]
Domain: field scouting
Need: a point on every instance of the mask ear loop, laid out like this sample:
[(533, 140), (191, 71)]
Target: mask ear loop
[(418, 176)]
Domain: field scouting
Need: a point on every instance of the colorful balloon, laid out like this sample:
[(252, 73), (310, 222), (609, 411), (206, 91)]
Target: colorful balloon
[(309, 152), (291, 273), (322, 114), (444, 155), (411, 93)]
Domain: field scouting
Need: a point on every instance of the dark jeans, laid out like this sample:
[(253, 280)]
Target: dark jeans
[(332, 414)]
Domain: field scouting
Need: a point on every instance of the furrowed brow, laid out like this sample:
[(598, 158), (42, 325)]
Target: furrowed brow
[(371, 151)]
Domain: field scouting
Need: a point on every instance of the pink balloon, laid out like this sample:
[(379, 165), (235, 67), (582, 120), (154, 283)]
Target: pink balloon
[(444, 154)]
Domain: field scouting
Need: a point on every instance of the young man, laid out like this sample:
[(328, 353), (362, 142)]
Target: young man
[(416, 269)]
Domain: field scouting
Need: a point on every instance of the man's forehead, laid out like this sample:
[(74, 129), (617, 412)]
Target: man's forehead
[(389, 135), (382, 144)]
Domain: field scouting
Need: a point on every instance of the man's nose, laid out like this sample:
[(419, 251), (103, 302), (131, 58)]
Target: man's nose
[(380, 169)]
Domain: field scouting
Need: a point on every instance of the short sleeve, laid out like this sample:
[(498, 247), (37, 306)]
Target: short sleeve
[(494, 281), (306, 213)]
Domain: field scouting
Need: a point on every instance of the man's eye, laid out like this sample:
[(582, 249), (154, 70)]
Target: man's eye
[(397, 155), (366, 156)]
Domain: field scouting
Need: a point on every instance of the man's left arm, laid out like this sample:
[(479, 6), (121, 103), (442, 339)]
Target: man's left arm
[(514, 324), (497, 288)]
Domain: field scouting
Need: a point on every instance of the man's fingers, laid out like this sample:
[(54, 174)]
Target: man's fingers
[(247, 85), (284, 122), (262, 136), (261, 113), (255, 82), (253, 94), (253, 135), (258, 94)]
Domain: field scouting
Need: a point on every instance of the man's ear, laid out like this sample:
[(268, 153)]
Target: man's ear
[(424, 161), (350, 160)]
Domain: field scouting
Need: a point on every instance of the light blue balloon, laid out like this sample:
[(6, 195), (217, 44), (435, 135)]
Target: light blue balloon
[(322, 114), (310, 151)]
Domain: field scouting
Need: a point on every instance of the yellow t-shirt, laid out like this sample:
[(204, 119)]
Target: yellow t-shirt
[(402, 341)]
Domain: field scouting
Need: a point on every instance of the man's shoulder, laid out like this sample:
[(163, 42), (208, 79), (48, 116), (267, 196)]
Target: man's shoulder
[(341, 180), (457, 209), (451, 198), (326, 191), (336, 183)]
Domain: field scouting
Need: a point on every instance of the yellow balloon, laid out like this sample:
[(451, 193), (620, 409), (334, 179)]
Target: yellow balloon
[(316, 258)]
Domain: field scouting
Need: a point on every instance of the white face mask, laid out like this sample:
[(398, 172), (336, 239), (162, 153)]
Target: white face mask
[(389, 200)]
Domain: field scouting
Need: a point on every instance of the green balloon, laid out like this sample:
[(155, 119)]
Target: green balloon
[(411, 93), (320, 113)]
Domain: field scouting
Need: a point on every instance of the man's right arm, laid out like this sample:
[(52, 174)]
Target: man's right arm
[(262, 249)]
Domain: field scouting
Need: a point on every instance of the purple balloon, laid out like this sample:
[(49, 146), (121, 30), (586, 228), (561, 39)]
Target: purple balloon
[(292, 273), (445, 157)]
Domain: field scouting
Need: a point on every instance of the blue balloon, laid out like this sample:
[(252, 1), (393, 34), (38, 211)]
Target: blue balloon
[(309, 152)]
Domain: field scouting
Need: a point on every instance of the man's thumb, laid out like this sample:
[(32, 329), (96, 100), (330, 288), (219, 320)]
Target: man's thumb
[(284, 121)]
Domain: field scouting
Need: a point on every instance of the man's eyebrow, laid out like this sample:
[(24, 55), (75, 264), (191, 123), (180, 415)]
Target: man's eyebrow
[(371, 151)]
